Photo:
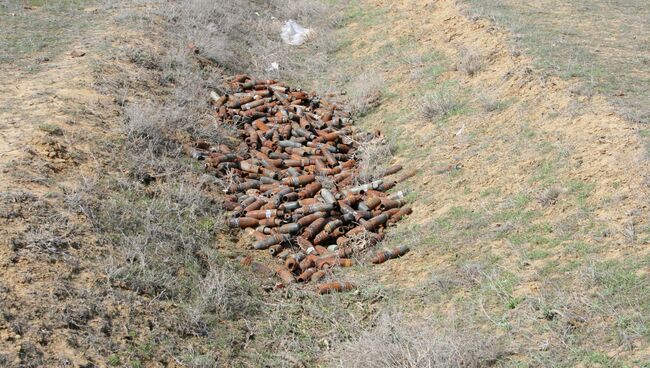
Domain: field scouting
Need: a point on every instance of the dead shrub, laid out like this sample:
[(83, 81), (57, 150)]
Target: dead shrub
[(365, 93), (396, 341), (440, 104), (372, 157), (243, 37), (470, 62), (489, 103)]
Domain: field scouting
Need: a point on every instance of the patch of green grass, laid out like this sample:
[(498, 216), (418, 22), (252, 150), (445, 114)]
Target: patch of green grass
[(581, 191), (603, 61), (52, 129), (490, 192), (113, 360), (616, 277), (37, 35), (545, 173)]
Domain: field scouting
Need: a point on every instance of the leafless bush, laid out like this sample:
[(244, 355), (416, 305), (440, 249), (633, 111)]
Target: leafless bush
[(470, 62), (489, 103), (400, 342), (440, 104), (244, 36), (145, 122), (365, 93), (548, 197), (372, 158)]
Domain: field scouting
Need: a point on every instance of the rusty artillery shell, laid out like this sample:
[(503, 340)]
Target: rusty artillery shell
[(284, 274), (327, 196), (269, 241), (310, 190), (308, 262), (299, 180), (318, 275), (406, 175), (370, 204), (293, 261), (291, 228), (255, 206), (387, 204), (405, 211), (320, 207), (275, 249), (334, 287), (331, 261), (290, 197), (307, 220), (243, 222), (331, 225), (314, 228), (306, 274), (375, 222), (322, 237), (392, 170), (264, 214), (383, 256)]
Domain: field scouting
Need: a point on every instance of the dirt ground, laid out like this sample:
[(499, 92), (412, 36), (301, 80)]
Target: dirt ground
[(531, 217)]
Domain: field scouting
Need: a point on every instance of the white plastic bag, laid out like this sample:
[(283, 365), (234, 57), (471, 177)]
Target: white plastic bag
[(293, 33)]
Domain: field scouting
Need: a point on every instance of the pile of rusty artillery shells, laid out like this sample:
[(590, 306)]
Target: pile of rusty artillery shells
[(291, 180)]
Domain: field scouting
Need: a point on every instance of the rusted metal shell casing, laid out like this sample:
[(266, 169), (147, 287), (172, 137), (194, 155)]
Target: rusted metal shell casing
[(284, 274), (275, 249), (314, 228), (334, 287), (382, 257), (306, 274), (289, 228), (307, 220), (271, 240), (243, 222), (375, 222), (405, 211)]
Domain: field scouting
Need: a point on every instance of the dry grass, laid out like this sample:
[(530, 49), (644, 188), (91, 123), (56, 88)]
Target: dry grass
[(365, 93), (607, 51), (244, 37), (470, 61), (440, 104), (397, 341), (372, 157), (489, 103)]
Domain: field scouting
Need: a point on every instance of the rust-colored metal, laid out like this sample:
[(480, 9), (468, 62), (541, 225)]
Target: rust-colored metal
[(383, 256), (275, 249), (306, 274), (284, 274), (292, 179), (404, 211), (314, 228), (243, 222), (269, 241), (331, 287)]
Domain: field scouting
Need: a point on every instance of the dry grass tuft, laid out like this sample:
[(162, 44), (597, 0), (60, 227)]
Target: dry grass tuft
[(398, 342), (440, 104), (470, 62), (365, 94), (489, 103), (372, 158)]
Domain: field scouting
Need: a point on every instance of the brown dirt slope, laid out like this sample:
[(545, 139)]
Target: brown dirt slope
[(543, 190), (57, 305)]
